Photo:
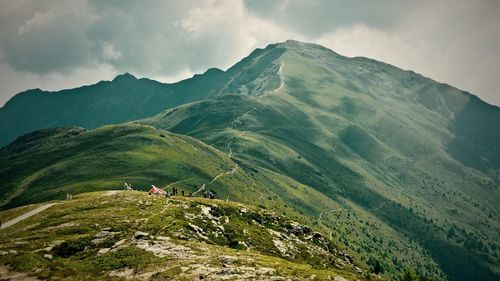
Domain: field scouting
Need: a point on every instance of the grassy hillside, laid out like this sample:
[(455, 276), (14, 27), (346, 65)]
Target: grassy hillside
[(130, 234), (411, 155), (51, 163), (124, 99), (399, 170)]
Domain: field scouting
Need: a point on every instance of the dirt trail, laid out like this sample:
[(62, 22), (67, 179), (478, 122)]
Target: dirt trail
[(111, 192), (234, 125), (331, 211), (27, 215), (379, 207)]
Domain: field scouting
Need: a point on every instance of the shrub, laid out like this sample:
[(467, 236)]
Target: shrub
[(131, 257), (70, 248)]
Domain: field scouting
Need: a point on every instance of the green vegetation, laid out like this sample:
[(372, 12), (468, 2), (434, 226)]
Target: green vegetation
[(404, 157), (141, 235), (400, 171)]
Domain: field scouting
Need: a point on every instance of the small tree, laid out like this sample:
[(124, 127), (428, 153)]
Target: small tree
[(409, 275), (375, 264)]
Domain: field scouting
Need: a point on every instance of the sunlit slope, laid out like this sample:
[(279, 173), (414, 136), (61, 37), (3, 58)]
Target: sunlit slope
[(51, 163), (420, 156), (132, 235)]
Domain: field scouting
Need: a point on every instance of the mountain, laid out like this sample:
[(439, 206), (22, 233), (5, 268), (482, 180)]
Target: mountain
[(415, 156), (400, 170), (124, 99), (150, 237)]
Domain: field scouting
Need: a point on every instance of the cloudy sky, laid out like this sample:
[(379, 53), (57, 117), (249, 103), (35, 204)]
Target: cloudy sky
[(61, 44)]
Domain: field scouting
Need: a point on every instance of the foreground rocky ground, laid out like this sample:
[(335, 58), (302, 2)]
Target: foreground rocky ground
[(132, 235)]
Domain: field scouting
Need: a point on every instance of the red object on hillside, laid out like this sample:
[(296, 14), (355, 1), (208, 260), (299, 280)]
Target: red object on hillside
[(156, 190)]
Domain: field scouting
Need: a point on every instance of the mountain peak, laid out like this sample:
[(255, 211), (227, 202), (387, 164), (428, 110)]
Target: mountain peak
[(125, 76), (296, 45)]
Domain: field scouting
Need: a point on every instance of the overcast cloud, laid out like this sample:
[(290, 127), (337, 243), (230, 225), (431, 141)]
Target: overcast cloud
[(60, 44)]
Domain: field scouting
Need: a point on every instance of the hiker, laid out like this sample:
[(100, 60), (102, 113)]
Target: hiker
[(182, 192), (211, 195)]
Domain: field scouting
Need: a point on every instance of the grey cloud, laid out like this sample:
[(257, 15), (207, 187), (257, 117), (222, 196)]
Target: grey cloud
[(43, 38), (318, 17)]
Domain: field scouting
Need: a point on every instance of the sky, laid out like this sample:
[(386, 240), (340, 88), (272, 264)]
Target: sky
[(56, 45)]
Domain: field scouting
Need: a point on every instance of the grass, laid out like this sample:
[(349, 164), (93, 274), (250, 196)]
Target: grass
[(410, 164), (78, 222), (365, 135)]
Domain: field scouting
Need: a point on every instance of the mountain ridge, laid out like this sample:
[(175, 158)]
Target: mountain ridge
[(410, 164), (12, 114)]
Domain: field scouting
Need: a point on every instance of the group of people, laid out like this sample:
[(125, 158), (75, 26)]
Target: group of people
[(206, 194)]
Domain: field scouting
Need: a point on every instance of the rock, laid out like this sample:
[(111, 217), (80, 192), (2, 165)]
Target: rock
[(97, 241), (184, 268), (3, 253), (162, 248), (103, 251), (196, 228), (300, 230), (225, 259), (119, 243), (124, 273), (105, 233), (140, 235), (227, 271), (317, 235), (265, 271), (205, 210), (339, 278), (47, 256)]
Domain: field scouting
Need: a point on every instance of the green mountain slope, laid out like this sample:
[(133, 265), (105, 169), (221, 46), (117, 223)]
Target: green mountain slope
[(51, 163), (124, 99), (420, 157), (130, 234), (400, 170)]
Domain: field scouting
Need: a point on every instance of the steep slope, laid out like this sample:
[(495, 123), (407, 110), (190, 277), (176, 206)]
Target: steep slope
[(419, 157), (124, 99), (51, 163), (130, 234), (400, 169)]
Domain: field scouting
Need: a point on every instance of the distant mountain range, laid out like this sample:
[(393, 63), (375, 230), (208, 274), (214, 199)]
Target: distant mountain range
[(398, 168)]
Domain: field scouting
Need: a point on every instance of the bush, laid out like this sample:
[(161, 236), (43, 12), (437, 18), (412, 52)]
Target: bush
[(376, 266), (70, 248), (130, 257)]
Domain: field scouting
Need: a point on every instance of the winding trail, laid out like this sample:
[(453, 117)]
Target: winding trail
[(234, 125), (27, 215), (332, 211), (379, 207)]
